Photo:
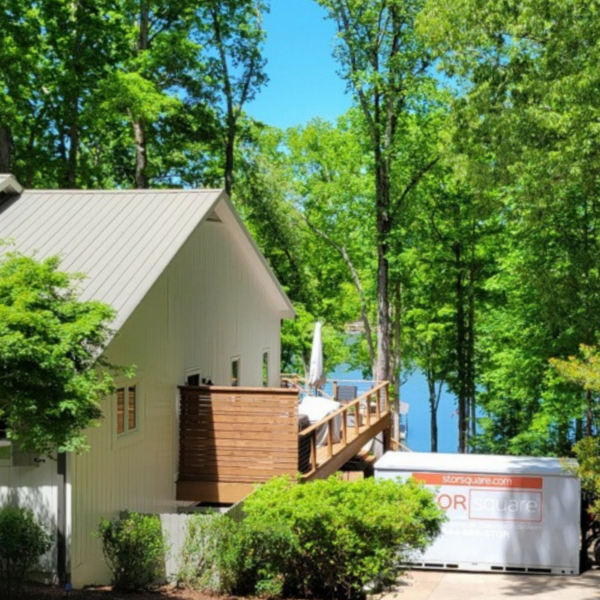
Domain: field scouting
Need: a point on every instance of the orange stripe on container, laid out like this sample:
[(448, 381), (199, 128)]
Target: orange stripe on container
[(480, 480)]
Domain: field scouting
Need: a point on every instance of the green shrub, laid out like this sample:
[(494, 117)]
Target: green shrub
[(202, 558), (326, 539), (22, 542), (135, 550)]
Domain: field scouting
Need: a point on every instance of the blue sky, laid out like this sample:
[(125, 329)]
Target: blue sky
[(303, 80)]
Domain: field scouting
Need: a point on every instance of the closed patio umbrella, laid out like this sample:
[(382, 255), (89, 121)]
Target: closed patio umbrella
[(316, 374)]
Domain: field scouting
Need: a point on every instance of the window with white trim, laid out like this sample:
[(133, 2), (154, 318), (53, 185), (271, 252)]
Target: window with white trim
[(127, 409)]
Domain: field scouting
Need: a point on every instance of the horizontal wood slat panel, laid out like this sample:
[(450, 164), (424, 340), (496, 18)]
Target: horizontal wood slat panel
[(232, 437), (212, 491)]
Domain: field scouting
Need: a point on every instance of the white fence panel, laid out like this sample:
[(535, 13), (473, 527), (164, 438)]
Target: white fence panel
[(174, 528)]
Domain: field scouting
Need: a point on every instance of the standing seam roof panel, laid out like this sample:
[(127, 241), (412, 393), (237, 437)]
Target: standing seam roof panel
[(121, 240)]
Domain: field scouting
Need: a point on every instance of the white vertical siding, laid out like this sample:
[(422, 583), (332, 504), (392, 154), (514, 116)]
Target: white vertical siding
[(226, 313), (204, 309)]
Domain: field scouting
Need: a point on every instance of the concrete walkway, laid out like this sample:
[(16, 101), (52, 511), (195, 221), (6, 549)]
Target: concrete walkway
[(443, 585)]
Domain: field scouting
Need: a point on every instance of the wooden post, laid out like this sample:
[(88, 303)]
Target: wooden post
[(330, 437), (369, 410), (313, 450), (387, 439), (335, 387), (378, 405), (345, 427)]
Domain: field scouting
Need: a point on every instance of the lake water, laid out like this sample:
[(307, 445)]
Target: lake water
[(415, 393)]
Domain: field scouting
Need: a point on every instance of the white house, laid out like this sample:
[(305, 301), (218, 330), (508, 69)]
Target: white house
[(195, 299)]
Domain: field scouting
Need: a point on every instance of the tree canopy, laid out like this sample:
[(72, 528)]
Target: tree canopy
[(450, 217), (51, 376)]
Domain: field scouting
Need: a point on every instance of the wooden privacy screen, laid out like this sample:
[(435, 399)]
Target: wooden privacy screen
[(233, 437)]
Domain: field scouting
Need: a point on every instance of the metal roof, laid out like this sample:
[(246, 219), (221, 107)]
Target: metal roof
[(122, 240), (473, 463)]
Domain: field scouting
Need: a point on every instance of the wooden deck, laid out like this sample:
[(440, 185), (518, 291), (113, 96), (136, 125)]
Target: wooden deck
[(232, 438)]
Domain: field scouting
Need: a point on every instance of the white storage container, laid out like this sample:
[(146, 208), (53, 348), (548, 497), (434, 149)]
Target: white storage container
[(505, 513)]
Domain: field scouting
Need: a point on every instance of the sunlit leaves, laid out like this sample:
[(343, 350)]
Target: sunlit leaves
[(51, 377)]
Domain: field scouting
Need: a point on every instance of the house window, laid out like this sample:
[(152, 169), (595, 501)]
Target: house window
[(235, 371), (127, 409), (193, 379), (265, 368), (192, 376)]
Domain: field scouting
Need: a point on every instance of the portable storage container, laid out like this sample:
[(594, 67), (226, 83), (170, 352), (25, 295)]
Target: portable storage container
[(505, 513)]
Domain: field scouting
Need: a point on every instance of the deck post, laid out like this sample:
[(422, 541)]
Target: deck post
[(313, 451), (345, 427), (335, 388), (330, 438), (387, 439), (378, 405)]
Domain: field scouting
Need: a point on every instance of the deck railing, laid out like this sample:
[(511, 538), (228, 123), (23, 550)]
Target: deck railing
[(361, 420)]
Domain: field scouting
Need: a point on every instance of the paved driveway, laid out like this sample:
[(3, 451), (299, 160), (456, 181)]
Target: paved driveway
[(442, 585)]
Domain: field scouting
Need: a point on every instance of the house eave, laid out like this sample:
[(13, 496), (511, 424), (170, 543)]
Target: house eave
[(9, 185)]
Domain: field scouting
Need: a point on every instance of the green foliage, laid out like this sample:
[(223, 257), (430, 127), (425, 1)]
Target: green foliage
[(51, 379), (526, 87), (587, 452), (22, 542), (326, 539), (584, 370), (202, 561), (135, 550)]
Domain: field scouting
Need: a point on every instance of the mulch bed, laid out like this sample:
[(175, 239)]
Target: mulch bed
[(50, 592)]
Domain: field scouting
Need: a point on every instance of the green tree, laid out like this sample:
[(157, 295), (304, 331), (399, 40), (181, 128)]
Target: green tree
[(332, 193), (527, 89), (51, 376), (386, 67), (268, 174), (232, 32)]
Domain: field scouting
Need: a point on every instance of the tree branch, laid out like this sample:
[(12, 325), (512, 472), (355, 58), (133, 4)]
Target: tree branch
[(355, 279), (413, 184)]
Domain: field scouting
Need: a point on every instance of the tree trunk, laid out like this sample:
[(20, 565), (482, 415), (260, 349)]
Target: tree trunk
[(588, 414), (382, 372), (229, 154), (471, 347), (73, 147), (433, 412), (141, 158), (5, 148), (139, 129), (460, 351)]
